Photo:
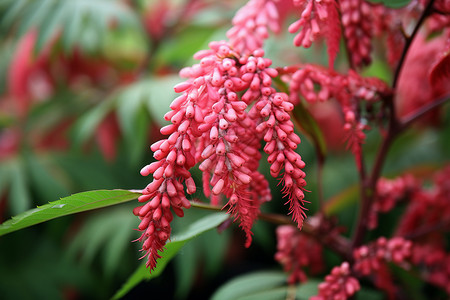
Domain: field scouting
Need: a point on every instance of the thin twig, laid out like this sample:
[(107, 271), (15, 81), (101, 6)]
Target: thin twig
[(337, 243), (368, 186), (426, 12)]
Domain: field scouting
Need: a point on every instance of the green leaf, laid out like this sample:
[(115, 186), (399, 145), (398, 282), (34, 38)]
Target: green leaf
[(249, 284), (392, 3), (342, 200), (69, 205), (134, 118), (84, 128), (304, 120), (19, 197), (42, 179), (272, 294), (177, 242), (105, 234), (84, 23), (160, 95), (308, 289), (187, 266)]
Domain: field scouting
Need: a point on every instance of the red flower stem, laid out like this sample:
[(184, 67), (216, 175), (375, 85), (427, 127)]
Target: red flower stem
[(426, 12), (368, 193), (420, 232), (337, 243), (368, 185)]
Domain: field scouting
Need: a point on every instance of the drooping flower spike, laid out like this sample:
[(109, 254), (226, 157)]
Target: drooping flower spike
[(226, 107)]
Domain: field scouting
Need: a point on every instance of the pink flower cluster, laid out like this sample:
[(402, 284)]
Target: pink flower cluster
[(339, 284), (211, 125), (356, 18), (433, 262), (250, 25), (318, 18), (315, 83), (429, 206), (295, 251), (368, 259), (389, 192)]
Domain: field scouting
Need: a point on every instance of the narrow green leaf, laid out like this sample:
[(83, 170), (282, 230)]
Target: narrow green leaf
[(342, 200), (69, 205), (72, 26), (392, 3), (41, 11), (272, 294), (134, 118), (19, 197), (159, 98), (177, 242), (13, 13), (308, 289), (5, 177), (84, 128), (186, 266), (304, 120), (42, 179), (50, 26), (249, 284)]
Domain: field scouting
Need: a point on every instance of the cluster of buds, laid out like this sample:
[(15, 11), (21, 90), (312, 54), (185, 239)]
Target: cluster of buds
[(371, 260), (250, 25), (296, 251), (433, 263), (318, 18), (211, 125), (368, 259), (388, 193), (339, 284), (428, 207), (314, 83), (356, 16)]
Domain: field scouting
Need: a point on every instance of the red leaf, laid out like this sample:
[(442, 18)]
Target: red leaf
[(440, 71)]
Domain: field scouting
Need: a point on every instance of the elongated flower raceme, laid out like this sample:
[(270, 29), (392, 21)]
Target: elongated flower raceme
[(226, 107), (317, 18), (251, 23)]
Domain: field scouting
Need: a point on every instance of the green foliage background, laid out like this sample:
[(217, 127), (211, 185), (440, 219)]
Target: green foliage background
[(89, 254)]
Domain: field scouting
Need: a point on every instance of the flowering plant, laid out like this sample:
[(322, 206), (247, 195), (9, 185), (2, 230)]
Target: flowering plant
[(256, 121)]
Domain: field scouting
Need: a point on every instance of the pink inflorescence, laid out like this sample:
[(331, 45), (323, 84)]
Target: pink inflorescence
[(368, 259), (315, 83), (388, 193), (296, 251), (429, 207), (433, 262), (318, 18), (371, 260), (251, 24), (339, 284), (211, 125), (356, 16)]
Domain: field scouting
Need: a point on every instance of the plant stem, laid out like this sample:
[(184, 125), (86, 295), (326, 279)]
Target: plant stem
[(427, 11), (368, 185), (337, 243)]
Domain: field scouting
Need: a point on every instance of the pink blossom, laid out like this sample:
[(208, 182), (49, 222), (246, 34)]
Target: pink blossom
[(339, 284), (251, 24)]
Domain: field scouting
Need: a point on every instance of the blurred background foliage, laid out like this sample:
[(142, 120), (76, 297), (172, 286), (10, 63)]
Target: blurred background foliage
[(84, 85)]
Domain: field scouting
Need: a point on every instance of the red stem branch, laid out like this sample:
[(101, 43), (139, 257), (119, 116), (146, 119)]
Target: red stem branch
[(368, 185)]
